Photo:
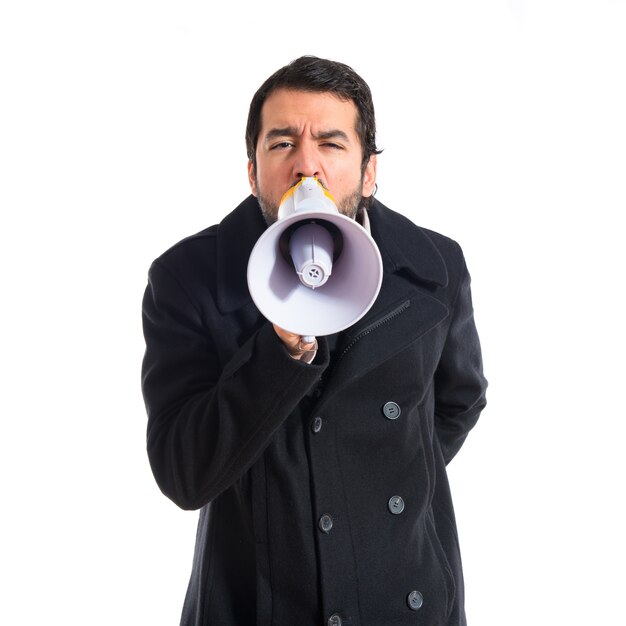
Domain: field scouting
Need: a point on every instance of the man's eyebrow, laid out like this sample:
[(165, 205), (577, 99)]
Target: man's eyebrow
[(291, 131), (274, 133), (333, 134)]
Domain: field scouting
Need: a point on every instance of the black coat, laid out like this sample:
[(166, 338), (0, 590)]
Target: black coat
[(323, 487)]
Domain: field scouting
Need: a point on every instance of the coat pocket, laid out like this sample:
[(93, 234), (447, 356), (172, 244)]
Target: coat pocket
[(445, 569)]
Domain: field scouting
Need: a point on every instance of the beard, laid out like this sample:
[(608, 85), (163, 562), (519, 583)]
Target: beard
[(348, 205)]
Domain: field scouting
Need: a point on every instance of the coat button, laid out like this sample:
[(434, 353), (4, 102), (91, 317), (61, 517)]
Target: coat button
[(334, 620), (396, 505), (316, 424), (325, 523), (391, 410), (415, 600)]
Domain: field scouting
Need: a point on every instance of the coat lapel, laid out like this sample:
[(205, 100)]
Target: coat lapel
[(402, 314), (407, 306), (236, 235), (405, 247)]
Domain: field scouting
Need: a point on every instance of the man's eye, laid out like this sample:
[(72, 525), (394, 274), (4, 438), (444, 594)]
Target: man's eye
[(334, 146), (282, 145)]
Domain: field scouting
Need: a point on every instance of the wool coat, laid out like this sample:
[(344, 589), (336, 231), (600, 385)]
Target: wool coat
[(322, 487)]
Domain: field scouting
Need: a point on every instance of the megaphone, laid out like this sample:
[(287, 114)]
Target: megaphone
[(314, 272)]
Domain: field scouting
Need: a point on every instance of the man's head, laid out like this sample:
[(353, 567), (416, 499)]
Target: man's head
[(313, 117)]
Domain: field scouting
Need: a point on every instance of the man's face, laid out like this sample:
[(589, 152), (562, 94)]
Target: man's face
[(309, 134)]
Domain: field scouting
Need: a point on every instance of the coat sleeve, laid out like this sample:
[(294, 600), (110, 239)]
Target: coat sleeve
[(208, 423), (460, 385)]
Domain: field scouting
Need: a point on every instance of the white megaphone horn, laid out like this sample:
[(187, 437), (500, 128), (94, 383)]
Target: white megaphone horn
[(314, 271)]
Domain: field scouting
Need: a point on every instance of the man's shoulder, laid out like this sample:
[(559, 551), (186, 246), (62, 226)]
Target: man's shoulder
[(202, 239), (398, 223), (203, 245)]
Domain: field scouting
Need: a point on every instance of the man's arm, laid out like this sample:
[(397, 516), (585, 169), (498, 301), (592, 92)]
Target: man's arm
[(207, 425), (459, 382)]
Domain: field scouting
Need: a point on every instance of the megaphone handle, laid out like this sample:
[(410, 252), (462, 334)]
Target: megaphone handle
[(307, 339)]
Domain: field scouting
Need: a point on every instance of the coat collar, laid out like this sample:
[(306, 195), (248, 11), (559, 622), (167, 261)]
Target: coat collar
[(236, 235), (403, 247)]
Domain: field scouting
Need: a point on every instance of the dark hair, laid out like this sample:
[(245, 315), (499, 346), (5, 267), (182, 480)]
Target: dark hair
[(309, 73)]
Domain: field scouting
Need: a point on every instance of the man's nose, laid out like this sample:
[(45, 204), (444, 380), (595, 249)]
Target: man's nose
[(306, 162)]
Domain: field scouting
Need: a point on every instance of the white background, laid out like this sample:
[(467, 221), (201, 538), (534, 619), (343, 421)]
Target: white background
[(121, 131)]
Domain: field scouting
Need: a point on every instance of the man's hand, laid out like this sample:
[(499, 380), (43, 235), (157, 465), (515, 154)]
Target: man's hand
[(294, 343)]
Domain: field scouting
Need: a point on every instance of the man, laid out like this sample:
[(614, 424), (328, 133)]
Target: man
[(319, 470)]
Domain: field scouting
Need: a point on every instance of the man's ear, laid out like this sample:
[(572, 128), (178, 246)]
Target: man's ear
[(252, 178), (369, 177)]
